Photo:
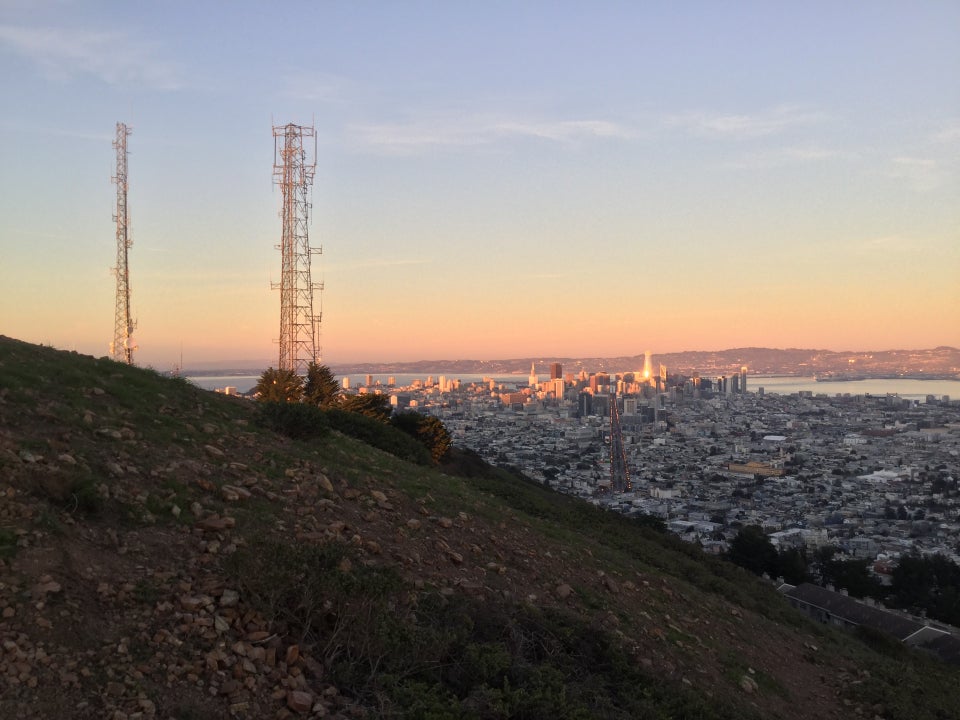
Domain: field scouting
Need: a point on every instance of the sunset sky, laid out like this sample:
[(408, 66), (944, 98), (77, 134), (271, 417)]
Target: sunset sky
[(494, 179)]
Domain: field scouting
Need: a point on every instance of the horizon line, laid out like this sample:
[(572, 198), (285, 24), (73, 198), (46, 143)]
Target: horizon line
[(249, 364)]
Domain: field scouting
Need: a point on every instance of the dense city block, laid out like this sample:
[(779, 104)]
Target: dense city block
[(873, 476)]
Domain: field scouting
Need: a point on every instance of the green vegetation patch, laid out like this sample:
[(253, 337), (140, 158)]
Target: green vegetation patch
[(626, 541), (8, 543), (425, 655), (903, 685), (378, 434), (295, 420)]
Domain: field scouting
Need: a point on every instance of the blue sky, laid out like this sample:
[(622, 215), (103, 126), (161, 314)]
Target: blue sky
[(493, 179)]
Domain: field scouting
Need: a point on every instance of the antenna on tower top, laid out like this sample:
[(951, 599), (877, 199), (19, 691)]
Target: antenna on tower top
[(122, 347)]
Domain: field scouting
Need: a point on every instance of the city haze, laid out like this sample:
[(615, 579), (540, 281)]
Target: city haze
[(492, 181)]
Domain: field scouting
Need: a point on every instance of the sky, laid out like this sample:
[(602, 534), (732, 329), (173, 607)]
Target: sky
[(493, 179)]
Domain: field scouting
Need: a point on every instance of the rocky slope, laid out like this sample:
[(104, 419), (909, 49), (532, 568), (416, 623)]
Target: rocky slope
[(161, 555)]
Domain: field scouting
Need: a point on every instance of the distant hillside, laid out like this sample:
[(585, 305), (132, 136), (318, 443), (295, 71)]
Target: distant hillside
[(163, 555), (939, 362)]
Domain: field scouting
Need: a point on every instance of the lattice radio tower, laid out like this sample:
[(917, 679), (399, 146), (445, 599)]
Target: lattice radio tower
[(299, 324), (619, 472), (122, 347)]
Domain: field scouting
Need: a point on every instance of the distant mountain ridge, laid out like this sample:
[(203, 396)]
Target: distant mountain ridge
[(940, 362)]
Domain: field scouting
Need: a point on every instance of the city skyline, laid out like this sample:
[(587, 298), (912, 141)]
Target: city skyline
[(492, 181)]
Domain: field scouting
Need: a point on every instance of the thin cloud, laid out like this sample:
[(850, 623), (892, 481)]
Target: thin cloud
[(770, 122), (923, 174), (64, 132), (22, 232), (562, 131), (809, 153), (114, 57), (949, 134), (202, 277), (789, 155), (404, 139), (380, 263), (882, 248), (317, 87), (407, 138), (887, 244)]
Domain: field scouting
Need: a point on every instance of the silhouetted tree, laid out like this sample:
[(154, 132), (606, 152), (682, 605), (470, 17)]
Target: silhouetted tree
[(853, 576), (279, 386), (427, 429), (369, 404), (824, 554), (792, 566), (928, 584), (321, 388), (752, 549)]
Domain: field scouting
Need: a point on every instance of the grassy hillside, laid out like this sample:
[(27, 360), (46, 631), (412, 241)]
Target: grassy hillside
[(164, 555)]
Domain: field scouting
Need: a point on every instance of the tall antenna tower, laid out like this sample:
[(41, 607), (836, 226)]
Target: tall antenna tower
[(619, 472), (122, 346), (299, 324)]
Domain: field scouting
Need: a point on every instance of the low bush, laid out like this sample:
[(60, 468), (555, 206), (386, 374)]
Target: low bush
[(881, 642), (85, 498), (295, 420), (425, 429), (8, 543), (423, 655), (378, 434)]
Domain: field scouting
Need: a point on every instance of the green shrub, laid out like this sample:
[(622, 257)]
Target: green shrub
[(279, 386), (378, 434), (426, 429), (85, 498), (350, 615), (881, 642), (428, 656), (295, 420), (8, 543)]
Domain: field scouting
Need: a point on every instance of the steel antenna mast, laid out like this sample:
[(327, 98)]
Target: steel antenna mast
[(122, 347), (299, 324)]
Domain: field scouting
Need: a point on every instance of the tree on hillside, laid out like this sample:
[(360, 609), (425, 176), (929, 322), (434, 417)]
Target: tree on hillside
[(792, 566), (854, 576), (321, 388), (369, 404), (752, 549), (279, 386), (928, 584), (427, 429)]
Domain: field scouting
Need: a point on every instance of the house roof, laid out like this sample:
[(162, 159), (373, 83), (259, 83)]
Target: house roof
[(854, 611)]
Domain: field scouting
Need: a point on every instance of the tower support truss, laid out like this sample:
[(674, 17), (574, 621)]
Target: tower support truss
[(122, 347), (293, 171), (619, 471)]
